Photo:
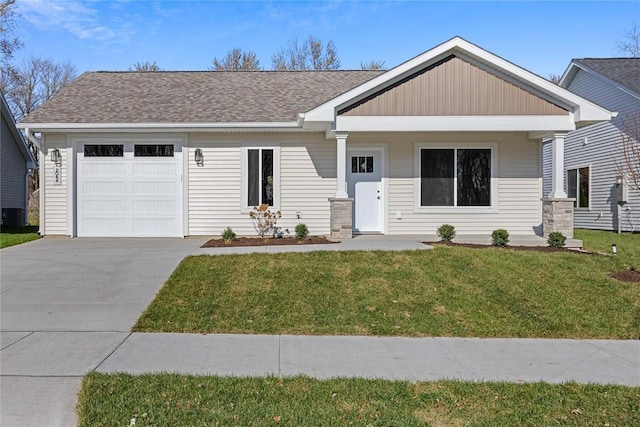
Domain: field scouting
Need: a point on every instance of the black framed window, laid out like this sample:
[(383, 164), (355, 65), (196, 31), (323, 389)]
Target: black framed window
[(362, 164), (104, 150), (153, 150), (455, 177), (260, 179)]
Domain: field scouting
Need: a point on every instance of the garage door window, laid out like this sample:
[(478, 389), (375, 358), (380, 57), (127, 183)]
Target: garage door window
[(153, 150), (104, 150)]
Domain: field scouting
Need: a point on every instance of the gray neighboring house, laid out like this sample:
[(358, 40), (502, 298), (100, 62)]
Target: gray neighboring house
[(16, 165), (592, 153)]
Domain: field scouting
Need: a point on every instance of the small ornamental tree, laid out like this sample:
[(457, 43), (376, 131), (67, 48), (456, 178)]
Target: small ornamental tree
[(264, 221)]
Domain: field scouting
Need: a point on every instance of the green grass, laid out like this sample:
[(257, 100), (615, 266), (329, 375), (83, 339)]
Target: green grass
[(10, 236), (449, 291), (179, 400), (628, 244)]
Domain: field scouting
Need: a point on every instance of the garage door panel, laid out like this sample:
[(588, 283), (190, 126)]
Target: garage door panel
[(129, 196)]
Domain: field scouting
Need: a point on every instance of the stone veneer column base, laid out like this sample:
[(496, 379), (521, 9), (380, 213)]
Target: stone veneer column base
[(557, 215), (341, 214)]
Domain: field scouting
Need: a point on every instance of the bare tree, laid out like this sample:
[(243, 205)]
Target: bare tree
[(145, 66), (311, 54), (372, 65), (630, 44), (629, 167), (34, 82), (8, 43), (237, 60), (555, 78)]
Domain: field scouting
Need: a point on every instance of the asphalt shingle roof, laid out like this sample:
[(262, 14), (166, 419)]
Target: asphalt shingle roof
[(195, 96), (625, 71)]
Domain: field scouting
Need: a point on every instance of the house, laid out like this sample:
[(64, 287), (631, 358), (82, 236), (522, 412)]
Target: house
[(16, 166), (593, 154), (453, 135)]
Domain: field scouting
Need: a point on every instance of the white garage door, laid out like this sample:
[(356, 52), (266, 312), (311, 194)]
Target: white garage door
[(129, 190)]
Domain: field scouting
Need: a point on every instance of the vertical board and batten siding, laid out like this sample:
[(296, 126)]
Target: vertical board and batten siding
[(13, 171), (307, 181), (518, 186), (453, 87), (602, 153), (55, 196)]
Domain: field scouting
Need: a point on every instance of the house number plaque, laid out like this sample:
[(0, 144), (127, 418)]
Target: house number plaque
[(57, 175)]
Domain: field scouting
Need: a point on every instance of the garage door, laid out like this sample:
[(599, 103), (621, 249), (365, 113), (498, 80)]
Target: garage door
[(129, 190)]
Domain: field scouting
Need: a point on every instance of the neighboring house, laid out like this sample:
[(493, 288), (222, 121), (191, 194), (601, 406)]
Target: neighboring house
[(16, 165), (450, 136), (593, 154)]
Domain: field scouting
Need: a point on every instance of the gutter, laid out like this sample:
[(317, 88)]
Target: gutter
[(163, 127)]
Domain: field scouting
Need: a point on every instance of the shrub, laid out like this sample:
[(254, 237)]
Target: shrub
[(264, 221), (446, 232), (228, 235), (500, 237), (301, 231), (556, 239)]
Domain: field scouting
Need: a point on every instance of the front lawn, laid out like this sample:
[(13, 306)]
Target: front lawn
[(180, 400), (448, 291), (10, 236)]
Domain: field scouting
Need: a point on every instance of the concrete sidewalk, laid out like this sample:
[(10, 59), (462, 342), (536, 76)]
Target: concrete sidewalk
[(394, 358)]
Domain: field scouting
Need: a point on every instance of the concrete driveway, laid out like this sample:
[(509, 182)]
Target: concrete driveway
[(65, 305)]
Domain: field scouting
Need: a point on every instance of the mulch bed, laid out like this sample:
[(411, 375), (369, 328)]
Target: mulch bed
[(627, 276), (258, 241)]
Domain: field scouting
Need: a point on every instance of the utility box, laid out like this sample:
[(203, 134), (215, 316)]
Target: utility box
[(622, 190)]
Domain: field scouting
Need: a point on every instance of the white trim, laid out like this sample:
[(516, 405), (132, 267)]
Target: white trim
[(71, 187), (245, 208), (557, 166), (584, 110), (454, 123), (185, 186), (577, 202), (493, 208), (341, 158), (161, 127), (42, 187)]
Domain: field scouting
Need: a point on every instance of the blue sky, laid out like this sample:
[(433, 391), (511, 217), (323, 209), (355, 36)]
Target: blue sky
[(94, 35)]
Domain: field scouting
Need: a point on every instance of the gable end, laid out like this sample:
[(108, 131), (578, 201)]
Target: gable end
[(452, 87)]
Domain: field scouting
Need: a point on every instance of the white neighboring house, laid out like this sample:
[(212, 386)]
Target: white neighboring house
[(593, 154), (450, 136), (16, 166)]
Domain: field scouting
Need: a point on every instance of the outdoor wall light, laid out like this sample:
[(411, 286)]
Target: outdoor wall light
[(198, 157), (56, 157)]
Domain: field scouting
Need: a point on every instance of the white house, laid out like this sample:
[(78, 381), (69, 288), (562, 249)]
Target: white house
[(453, 135), (593, 154), (16, 166)]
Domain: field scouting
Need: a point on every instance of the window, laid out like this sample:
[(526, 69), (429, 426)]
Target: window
[(455, 177), (104, 150), (261, 178), (153, 150), (578, 186), (362, 164)]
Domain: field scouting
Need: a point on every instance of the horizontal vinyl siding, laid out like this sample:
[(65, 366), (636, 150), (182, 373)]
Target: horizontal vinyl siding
[(518, 186), (307, 180), (13, 171), (55, 196), (602, 153)]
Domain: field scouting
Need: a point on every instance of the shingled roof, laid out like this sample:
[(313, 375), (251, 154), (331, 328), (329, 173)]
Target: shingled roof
[(625, 71), (195, 97)]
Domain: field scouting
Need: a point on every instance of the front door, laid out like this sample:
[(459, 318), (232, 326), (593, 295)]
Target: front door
[(364, 173)]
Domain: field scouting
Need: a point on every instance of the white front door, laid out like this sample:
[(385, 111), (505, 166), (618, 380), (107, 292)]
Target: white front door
[(364, 174), (129, 189)]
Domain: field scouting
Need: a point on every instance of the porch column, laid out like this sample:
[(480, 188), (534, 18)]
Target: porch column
[(557, 208), (341, 162), (557, 171), (341, 205)]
